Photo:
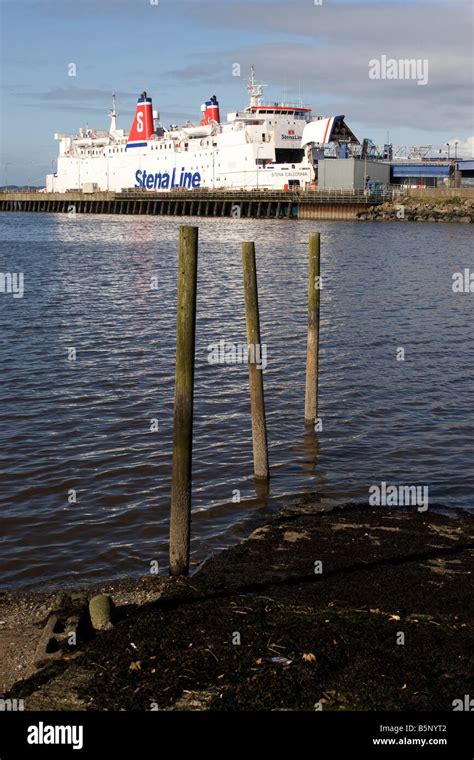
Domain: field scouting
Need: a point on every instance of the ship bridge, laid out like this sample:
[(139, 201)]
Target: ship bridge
[(280, 109)]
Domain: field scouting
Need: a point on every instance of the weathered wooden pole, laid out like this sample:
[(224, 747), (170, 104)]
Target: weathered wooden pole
[(183, 402), (314, 286), (257, 402)]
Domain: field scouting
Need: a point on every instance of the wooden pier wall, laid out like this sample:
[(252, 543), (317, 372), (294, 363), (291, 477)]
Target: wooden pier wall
[(254, 205)]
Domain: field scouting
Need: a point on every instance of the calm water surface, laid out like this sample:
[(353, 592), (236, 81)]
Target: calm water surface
[(85, 424)]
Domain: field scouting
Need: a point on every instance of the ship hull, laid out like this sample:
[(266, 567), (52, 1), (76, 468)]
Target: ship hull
[(155, 168)]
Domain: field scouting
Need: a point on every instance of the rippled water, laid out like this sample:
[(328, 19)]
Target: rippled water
[(85, 424)]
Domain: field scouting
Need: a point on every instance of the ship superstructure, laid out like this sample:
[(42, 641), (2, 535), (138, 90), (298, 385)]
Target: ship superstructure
[(265, 145)]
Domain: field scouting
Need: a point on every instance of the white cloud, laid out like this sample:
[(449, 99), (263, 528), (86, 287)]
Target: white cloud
[(465, 148)]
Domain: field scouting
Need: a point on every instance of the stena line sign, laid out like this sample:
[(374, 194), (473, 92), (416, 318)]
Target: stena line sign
[(166, 180)]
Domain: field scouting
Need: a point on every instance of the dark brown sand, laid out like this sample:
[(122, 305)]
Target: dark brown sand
[(210, 641)]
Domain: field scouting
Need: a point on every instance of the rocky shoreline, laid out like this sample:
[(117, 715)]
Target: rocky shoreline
[(408, 209), (347, 608)]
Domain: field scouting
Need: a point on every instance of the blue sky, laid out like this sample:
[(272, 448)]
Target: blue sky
[(182, 52)]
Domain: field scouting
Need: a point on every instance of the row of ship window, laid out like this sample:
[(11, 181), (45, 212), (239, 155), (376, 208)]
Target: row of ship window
[(117, 150), (153, 147), (297, 115), (121, 150)]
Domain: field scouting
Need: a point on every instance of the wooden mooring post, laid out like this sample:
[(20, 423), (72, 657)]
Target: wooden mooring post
[(314, 287), (257, 402), (180, 522)]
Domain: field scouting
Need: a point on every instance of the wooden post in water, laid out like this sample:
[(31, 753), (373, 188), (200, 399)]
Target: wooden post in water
[(257, 402), (183, 402), (314, 284)]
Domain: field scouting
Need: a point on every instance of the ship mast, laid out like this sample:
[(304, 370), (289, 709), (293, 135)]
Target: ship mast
[(255, 89), (113, 117)]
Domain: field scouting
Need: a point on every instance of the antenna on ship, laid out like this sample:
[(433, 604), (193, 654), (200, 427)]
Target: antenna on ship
[(113, 116), (255, 89)]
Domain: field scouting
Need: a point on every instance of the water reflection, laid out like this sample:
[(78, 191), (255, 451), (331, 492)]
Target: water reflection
[(86, 424)]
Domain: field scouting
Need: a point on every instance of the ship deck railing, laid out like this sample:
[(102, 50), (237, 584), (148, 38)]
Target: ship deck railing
[(295, 195), (333, 195)]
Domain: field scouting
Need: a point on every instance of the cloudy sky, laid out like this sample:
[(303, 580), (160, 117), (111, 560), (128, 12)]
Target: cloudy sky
[(183, 51)]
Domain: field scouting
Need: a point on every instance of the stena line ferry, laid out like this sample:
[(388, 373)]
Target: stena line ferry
[(263, 146)]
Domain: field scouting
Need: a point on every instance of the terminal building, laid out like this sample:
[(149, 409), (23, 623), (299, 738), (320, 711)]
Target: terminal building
[(355, 173), (447, 173), (351, 173)]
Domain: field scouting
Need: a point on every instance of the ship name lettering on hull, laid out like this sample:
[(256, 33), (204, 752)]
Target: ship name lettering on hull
[(165, 180)]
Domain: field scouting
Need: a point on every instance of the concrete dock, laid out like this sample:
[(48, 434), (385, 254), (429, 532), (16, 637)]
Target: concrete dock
[(238, 204)]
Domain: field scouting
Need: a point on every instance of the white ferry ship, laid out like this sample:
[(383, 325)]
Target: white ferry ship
[(264, 146)]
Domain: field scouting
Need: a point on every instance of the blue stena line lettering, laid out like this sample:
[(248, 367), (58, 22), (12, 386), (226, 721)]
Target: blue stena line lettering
[(165, 180)]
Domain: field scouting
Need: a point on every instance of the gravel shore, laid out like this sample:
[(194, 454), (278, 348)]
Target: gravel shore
[(408, 209)]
